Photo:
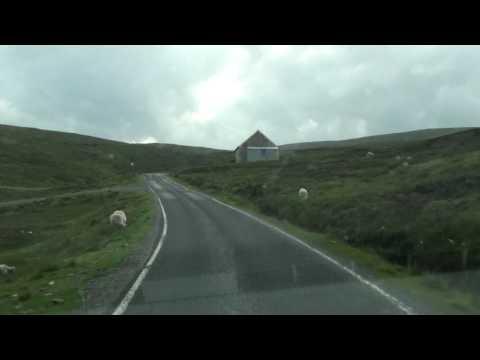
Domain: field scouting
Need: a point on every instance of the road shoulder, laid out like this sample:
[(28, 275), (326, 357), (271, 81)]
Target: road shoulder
[(105, 292)]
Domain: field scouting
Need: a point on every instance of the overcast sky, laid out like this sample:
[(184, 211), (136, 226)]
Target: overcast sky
[(216, 96)]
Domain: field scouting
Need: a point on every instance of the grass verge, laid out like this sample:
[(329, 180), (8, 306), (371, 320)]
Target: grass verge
[(58, 245)]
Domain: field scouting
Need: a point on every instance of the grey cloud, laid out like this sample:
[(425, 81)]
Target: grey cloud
[(303, 93)]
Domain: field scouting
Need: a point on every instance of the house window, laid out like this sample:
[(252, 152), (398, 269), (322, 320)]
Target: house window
[(263, 152)]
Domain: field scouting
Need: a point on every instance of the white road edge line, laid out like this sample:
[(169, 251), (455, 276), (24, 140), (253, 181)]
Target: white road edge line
[(399, 304), (122, 307), (406, 309)]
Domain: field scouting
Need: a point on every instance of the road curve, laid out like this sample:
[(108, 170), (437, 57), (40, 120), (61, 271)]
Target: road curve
[(215, 260)]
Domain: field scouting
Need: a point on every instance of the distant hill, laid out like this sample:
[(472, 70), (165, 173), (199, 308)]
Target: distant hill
[(34, 157), (394, 138), (192, 149)]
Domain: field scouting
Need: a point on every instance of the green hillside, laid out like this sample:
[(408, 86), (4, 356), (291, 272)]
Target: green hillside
[(38, 158), (386, 139)]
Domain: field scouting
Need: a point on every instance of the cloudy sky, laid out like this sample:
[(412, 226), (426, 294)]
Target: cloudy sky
[(216, 96)]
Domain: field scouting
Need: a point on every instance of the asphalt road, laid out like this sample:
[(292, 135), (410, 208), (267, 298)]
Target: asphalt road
[(215, 260)]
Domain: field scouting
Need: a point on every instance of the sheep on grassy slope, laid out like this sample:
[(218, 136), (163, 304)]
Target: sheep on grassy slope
[(118, 218), (303, 194), (5, 269)]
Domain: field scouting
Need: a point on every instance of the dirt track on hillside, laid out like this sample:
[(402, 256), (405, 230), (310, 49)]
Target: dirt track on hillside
[(122, 188)]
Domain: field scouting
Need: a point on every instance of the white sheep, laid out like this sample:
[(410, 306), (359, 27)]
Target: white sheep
[(5, 269), (303, 194), (370, 154), (118, 218)]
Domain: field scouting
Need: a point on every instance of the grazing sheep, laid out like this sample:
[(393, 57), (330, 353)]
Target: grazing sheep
[(303, 194), (405, 163), (5, 269), (370, 154), (118, 218), (398, 158)]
